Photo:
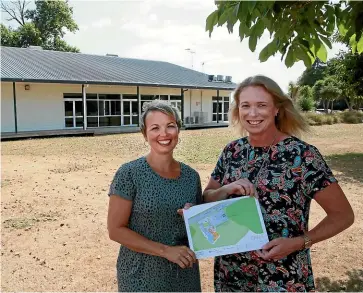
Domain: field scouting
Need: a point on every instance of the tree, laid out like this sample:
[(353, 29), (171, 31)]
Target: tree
[(293, 91), (311, 75), (305, 98), (347, 69), (43, 26), (327, 91), (300, 30)]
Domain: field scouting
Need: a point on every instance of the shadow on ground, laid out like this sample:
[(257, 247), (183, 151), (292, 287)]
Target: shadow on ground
[(353, 283), (349, 164)]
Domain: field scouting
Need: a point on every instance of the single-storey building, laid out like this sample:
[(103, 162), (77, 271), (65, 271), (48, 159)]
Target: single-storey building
[(49, 90)]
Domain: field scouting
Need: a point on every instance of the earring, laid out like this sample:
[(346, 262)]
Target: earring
[(179, 141), (145, 143)]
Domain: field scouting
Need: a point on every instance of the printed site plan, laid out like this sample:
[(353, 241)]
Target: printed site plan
[(225, 227)]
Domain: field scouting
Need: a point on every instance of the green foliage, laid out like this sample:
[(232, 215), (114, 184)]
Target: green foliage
[(305, 99), (300, 30), (52, 18), (327, 91), (352, 117), (7, 36), (311, 75), (330, 89), (347, 68), (322, 119), (46, 26), (316, 89), (345, 72), (293, 91)]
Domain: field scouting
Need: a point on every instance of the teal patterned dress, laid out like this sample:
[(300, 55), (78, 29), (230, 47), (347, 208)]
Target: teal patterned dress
[(154, 215), (294, 171)]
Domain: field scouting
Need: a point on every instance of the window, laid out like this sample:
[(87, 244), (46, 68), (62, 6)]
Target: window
[(73, 113), (131, 112), (176, 104), (92, 109), (112, 108), (109, 97), (109, 109), (221, 106)]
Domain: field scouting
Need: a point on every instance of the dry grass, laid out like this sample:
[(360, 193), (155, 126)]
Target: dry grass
[(54, 207)]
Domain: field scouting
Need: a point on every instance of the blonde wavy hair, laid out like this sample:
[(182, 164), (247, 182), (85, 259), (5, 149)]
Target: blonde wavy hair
[(288, 120)]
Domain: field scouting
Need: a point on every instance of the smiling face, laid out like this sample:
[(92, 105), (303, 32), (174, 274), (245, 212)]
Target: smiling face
[(257, 110), (162, 132)]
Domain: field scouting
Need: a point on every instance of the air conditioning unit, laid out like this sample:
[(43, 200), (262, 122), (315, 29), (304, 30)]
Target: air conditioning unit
[(210, 77), (200, 117), (219, 77), (228, 78), (189, 120), (35, 47)]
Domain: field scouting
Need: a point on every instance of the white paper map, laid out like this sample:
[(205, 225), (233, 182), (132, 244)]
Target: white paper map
[(225, 227)]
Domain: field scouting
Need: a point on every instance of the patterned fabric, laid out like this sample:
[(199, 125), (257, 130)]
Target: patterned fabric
[(294, 171), (154, 215)]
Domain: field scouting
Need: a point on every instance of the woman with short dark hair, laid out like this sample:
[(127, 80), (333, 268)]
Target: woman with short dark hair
[(144, 198)]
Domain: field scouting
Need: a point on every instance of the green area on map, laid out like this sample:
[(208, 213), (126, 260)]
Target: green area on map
[(224, 224)]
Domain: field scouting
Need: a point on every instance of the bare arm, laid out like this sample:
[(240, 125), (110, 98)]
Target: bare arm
[(339, 217), (339, 213), (119, 212), (215, 192)]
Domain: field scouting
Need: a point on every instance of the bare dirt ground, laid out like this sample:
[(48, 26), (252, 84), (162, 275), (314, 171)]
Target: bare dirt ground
[(54, 206)]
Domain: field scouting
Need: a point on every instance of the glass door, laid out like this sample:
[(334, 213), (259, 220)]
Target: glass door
[(73, 113), (217, 108), (130, 113), (222, 108)]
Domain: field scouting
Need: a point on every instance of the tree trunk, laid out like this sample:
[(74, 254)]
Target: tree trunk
[(348, 104), (332, 105)]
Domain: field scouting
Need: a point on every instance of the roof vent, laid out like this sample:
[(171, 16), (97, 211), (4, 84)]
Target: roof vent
[(210, 77), (219, 77), (35, 47), (228, 78), (112, 55)]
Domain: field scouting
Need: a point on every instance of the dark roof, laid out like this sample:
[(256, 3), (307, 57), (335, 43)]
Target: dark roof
[(36, 65)]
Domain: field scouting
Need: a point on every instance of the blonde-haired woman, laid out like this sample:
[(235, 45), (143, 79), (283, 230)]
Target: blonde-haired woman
[(285, 173)]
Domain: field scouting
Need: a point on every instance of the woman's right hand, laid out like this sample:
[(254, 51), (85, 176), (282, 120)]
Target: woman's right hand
[(241, 187), (181, 255)]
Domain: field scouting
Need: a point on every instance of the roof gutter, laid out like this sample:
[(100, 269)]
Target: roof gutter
[(232, 87)]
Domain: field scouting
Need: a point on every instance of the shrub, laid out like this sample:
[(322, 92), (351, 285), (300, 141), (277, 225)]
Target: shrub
[(321, 119), (352, 117), (329, 119), (305, 100), (314, 118)]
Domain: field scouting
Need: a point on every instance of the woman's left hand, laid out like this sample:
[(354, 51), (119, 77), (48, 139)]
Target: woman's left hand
[(186, 206), (280, 248)]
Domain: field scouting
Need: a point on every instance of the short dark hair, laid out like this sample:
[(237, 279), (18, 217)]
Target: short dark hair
[(159, 106)]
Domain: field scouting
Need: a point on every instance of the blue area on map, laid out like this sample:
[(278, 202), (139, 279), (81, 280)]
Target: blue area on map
[(208, 225)]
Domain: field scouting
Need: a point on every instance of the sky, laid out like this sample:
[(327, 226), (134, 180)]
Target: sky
[(163, 30)]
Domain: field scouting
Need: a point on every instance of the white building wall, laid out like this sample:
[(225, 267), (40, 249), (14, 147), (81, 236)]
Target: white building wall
[(39, 108), (7, 107), (201, 101), (42, 106)]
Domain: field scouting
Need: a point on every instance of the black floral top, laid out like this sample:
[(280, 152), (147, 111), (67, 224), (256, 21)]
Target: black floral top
[(293, 172)]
